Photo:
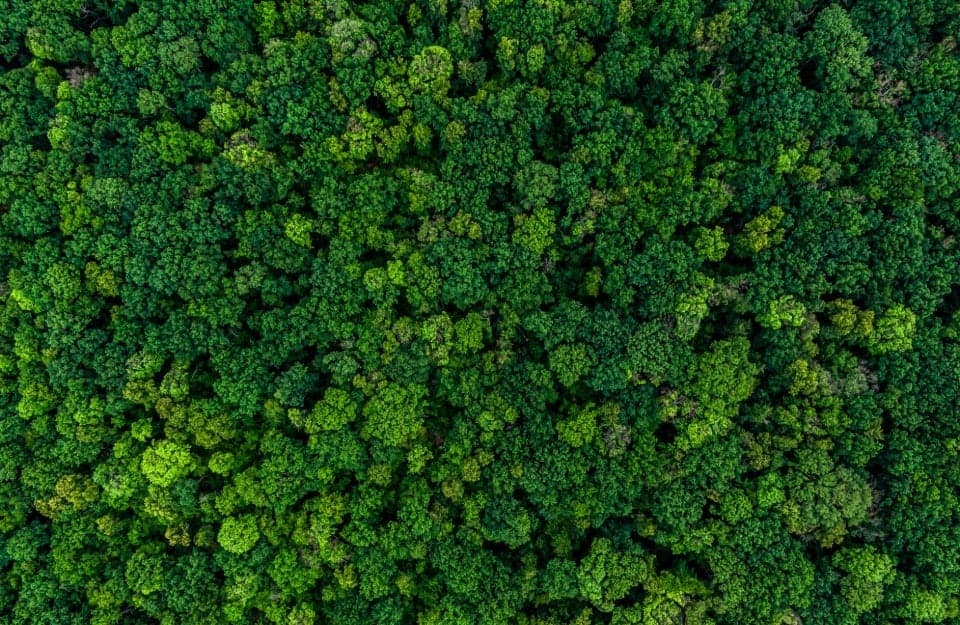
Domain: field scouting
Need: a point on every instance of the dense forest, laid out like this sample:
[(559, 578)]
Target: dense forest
[(479, 312)]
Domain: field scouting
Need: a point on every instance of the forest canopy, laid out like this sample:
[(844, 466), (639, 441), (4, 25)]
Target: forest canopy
[(479, 312)]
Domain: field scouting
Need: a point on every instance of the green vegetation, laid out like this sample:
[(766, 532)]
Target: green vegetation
[(479, 312)]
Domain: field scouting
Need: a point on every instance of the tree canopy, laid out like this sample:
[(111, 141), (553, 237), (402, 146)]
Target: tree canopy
[(486, 312)]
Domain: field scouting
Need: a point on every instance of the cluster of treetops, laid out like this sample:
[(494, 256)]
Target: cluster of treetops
[(479, 312)]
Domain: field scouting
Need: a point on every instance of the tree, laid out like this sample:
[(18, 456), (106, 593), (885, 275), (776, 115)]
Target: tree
[(839, 49), (394, 414), (894, 330), (867, 572), (430, 71), (606, 575), (166, 461), (238, 534)]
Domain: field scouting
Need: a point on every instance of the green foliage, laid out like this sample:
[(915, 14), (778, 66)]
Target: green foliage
[(430, 71), (867, 572), (711, 244), (606, 575), (894, 330), (165, 462), (783, 311), (530, 312), (393, 414), (238, 534)]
